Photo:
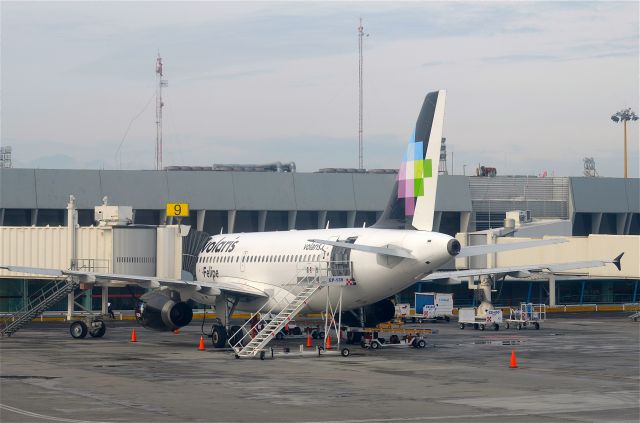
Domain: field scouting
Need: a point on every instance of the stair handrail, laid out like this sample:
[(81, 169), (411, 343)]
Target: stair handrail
[(247, 328), (307, 274)]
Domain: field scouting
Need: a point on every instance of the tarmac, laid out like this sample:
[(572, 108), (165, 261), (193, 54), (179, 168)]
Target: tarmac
[(581, 367)]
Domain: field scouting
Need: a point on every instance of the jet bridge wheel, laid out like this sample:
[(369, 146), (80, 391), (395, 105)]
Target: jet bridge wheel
[(78, 329), (218, 336)]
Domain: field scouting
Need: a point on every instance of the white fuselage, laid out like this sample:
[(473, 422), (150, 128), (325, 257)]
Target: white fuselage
[(272, 262)]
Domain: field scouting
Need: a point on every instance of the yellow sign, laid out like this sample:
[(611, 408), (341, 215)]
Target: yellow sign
[(177, 209)]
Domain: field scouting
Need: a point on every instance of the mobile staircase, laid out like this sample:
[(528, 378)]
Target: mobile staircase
[(38, 303), (310, 278)]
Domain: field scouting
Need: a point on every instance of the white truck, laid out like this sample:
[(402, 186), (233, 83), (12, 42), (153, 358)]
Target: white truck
[(432, 306)]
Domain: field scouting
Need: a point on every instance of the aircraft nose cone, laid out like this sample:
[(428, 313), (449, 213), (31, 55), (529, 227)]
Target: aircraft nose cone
[(453, 247)]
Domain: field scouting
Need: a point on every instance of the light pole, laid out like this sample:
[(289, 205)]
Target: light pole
[(624, 116)]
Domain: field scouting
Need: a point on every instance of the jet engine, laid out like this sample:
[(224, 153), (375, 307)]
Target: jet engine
[(376, 313), (158, 312)]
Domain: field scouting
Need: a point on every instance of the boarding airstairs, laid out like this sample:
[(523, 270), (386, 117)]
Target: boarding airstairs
[(41, 301), (310, 278)]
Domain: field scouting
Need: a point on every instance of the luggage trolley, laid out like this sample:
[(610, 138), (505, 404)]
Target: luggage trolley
[(527, 314)]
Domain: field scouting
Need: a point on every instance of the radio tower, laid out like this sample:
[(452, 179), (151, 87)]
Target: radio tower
[(159, 105), (361, 35)]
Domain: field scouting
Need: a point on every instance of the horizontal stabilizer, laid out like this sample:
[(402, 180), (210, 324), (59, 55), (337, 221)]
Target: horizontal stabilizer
[(523, 271), (478, 250), (387, 251)]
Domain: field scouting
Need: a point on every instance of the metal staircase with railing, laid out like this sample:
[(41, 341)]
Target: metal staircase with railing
[(309, 279), (41, 301)]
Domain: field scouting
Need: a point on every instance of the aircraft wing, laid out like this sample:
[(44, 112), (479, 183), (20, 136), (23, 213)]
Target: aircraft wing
[(389, 250), (211, 288), (478, 250), (525, 270)]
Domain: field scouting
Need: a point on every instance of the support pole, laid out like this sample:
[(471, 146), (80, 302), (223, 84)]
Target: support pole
[(582, 292), (552, 291), (104, 299)]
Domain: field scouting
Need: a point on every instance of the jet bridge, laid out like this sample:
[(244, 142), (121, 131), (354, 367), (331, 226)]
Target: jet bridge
[(592, 247), (112, 245)]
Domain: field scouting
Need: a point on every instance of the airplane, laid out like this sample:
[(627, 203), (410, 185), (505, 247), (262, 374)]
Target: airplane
[(245, 271)]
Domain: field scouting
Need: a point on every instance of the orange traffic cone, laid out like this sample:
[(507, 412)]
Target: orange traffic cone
[(134, 338), (309, 344), (201, 346), (513, 364), (328, 342)]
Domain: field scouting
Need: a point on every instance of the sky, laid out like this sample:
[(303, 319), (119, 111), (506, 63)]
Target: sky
[(530, 86)]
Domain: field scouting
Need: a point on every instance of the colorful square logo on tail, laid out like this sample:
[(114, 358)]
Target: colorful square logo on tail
[(411, 176)]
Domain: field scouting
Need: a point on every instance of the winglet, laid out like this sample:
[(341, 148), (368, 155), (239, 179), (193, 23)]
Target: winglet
[(616, 260)]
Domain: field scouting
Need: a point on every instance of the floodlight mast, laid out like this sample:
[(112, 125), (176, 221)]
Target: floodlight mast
[(624, 116), (361, 35)]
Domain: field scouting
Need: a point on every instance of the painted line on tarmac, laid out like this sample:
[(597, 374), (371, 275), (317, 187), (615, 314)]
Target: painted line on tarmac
[(42, 416), (454, 417)]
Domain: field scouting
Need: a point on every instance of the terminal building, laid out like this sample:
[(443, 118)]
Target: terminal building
[(231, 200)]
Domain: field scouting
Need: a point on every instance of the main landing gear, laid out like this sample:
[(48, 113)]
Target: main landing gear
[(92, 325)]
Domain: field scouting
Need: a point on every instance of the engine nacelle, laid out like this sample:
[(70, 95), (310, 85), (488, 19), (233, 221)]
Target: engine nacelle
[(156, 311), (376, 313)]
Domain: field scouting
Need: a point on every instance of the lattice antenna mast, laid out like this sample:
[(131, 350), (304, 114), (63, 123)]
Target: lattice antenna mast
[(159, 105), (361, 35)]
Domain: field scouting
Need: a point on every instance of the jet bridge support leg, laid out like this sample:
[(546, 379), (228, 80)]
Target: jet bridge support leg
[(485, 288)]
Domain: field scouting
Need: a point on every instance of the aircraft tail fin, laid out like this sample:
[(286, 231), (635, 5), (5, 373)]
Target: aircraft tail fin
[(412, 202)]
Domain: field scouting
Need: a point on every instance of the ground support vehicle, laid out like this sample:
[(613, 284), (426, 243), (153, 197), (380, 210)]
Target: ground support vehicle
[(390, 336), (431, 306), (528, 314), (469, 317)]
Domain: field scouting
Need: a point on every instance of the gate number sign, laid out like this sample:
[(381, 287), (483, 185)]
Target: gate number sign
[(178, 209)]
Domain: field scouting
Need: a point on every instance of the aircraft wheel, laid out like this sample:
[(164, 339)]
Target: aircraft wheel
[(78, 329), (100, 331), (218, 336), (422, 343)]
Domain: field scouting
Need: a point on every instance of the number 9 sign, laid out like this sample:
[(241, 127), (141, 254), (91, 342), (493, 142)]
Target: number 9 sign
[(178, 209)]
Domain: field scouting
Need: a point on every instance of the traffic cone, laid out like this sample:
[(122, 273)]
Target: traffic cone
[(309, 343), (201, 346), (177, 331), (513, 364), (134, 338), (328, 342)]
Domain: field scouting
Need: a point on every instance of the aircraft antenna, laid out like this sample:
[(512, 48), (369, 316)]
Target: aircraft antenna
[(159, 105)]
